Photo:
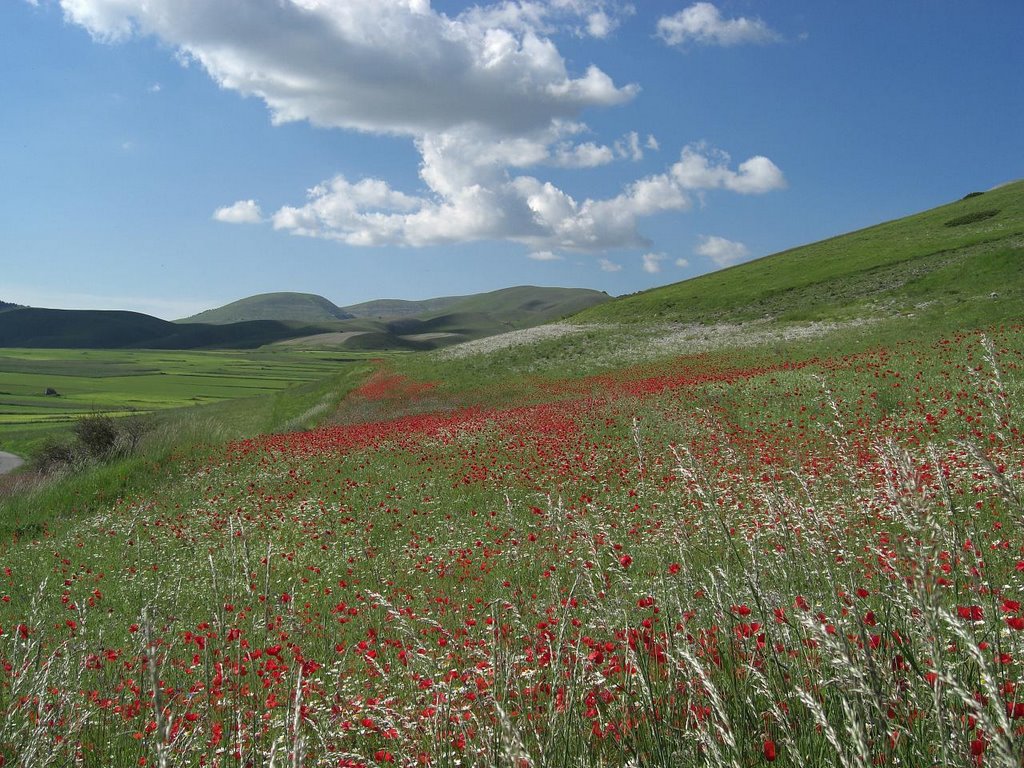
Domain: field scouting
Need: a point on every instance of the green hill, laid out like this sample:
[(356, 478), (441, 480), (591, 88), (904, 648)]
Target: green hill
[(440, 322), (102, 329), (286, 307), (390, 309), (950, 255), (466, 317), (523, 304)]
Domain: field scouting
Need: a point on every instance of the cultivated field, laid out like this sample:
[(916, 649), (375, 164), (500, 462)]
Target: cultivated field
[(119, 383)]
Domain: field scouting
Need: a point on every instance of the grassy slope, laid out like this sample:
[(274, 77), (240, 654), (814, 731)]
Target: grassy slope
[(517, 305), (910, 258), (294, 307)]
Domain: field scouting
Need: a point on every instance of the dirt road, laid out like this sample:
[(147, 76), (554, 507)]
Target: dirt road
[(8, 462)]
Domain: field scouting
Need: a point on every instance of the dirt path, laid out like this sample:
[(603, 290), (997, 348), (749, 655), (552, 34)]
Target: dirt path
[(8, 462)]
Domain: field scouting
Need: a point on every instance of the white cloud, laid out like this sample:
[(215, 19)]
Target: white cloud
[(155, 88), (681, 262), (652, 262), (242, 212), (652, 143), (629, 147), (394, 66), (722, 252), (703, 23), (544, 256), (701, 168), (599, 24), (483, 95), (609, 266), (588, 155), (475, 198)]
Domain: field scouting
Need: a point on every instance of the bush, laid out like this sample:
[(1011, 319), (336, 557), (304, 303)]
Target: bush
[(96, 435), (54, 457), (97, 439), (971, 218), (969, 195)]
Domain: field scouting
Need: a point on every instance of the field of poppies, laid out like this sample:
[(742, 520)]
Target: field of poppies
[(720, 559)]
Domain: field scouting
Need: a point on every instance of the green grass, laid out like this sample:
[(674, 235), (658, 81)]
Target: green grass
[(172, 434), (834, 277), (116, 382)]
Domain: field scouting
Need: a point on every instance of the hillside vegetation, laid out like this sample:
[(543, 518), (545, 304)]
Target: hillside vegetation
[(289, 307), (954, 253)]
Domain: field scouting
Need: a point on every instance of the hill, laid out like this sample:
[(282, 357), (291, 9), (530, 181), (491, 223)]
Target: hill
[(424, 325), (950, 254), (464, 318), (6, 305), (286, 307), (103, 329), (509, 305)]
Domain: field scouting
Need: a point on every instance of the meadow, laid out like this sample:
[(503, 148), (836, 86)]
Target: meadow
[(723, 558)]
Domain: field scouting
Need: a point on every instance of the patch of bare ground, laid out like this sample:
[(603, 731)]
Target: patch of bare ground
[(512, 339)]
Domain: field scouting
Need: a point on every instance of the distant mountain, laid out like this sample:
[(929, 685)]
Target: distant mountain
[(286, 307), (439, 322), (101, 329), (512, 307), (6, 305)]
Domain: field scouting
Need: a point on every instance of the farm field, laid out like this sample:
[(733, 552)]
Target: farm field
[(118, 383), (731, 557)]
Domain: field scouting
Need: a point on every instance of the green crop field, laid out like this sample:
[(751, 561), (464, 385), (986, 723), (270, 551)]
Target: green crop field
[(118, 383)]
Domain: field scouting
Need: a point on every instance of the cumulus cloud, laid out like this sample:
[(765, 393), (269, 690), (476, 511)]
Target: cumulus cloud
[(703, 23), (722, 252), (544, 256), (652, 262), (609, 266), (681, 262), (475, 198), (587, 155), (701, 168), (393, 66), (242, 212), (484, 96)]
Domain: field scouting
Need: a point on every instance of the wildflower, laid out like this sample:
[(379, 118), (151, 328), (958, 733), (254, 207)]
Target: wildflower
[(769, 750)]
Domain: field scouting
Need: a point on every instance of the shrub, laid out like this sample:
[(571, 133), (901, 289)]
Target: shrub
[(96, 435), (97, 439), (971, 218), (969, 195)]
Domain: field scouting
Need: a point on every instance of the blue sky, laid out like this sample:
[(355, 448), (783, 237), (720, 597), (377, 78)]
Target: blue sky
[(169, 156)]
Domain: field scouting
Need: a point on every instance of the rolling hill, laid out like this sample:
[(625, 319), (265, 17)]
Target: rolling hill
[(285, 307), (463, 318), (111, 329), (950, 254)]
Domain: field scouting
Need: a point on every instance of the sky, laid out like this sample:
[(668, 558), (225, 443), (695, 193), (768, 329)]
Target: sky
[(170, 156)]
